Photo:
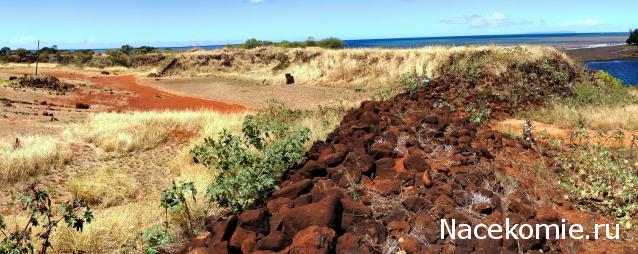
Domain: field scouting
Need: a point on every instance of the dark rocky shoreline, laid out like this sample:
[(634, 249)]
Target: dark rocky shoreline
[(623, 52)]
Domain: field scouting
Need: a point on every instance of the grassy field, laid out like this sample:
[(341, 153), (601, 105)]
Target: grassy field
[(368, 68), (30, 155)]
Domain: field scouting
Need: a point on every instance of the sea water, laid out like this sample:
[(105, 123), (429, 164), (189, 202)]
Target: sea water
[(625, 70)]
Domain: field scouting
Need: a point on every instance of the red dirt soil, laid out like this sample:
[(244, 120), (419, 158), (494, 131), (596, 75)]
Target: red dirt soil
[(141, 97)]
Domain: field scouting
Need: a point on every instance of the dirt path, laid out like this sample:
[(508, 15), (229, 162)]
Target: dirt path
[(125, 93), (254, 95), (515, 126)]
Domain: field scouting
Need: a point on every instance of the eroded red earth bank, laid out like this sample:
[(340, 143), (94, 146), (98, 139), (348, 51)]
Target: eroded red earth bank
[(129, 95)]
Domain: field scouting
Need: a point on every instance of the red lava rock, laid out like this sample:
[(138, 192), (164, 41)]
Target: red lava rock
[(276, 204), (381, 150), (202, 250), (275, 241), (425, 177), (302, 200), (313, 240), (358, 162), (196, 245), (373, 229), (386, 187), (221, 230), (417, 162), (219, 247), (398, 228), (348, 243), (385, 168), (254, 220), (313, 168), (240, 236), (409, 245), (415, 203), (484, 208), (325, 213), (293, 190)]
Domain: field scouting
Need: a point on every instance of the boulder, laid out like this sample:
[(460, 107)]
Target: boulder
[(313, 240), (325, 213), (293, 190)]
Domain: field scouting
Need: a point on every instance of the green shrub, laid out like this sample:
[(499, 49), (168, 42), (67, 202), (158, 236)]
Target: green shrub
[(602, 177), (385, 93), (42, 219), (156, 240), (254, 43), (331, 43), (174, 200), (247, 166), (479, 114), (605, 90), (412, 82), (284, 61)]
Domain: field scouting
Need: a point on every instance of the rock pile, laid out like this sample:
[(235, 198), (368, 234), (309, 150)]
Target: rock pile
[(384, 179), (45, 82)]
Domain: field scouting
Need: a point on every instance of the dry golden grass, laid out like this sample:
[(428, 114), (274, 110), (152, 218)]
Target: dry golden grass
[(27, 65), (598, 117), (119, 229), (115, 132), (371, 68), (107, 187), (114, 230), (35, 155)]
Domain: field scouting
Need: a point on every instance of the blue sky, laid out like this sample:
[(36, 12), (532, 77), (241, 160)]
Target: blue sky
[(110, 23)]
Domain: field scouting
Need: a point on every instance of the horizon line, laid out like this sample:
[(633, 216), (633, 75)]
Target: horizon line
[(348, 40)]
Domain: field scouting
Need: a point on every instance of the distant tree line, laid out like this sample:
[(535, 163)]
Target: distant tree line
[(633, 37), (329, 43), (126, 56)]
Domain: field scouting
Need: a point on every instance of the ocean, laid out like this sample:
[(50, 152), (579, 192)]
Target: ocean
[(625, 70), (565, 41), (561, 40)]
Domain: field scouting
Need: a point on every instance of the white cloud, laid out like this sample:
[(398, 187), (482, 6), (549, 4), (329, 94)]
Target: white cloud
[(256, 1), (583, 22), (494, 19), (23, 40)]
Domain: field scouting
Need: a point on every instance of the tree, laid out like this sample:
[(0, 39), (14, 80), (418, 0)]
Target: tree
[(633, 37), (5, 51), (126, 49)]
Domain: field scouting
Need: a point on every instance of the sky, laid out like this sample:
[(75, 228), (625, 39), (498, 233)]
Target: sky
[(110, 23)]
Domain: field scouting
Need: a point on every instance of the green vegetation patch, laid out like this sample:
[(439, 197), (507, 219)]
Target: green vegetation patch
[(328, 43), (601, 176), (248, 165)]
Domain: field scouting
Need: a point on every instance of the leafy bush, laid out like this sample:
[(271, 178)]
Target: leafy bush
[(605, 90), (254, 43), (42, 219), (412, 82), (156, 240), (174, 199), (283, 60), (248, 166), (602, 177), (479, 114), (329, 43), (385, 93)]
